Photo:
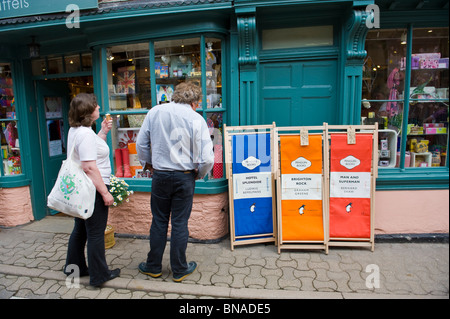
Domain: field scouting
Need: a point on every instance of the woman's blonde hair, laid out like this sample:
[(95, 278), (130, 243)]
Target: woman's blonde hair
[(187, 93)]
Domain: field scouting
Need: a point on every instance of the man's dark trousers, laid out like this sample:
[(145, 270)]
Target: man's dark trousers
[(171, 199)]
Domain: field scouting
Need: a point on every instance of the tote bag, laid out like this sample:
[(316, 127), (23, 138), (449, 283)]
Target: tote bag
[(74, 192)]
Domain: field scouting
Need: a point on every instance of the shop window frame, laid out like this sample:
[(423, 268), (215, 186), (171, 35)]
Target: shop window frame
[(18, 180), (64, 73), (204, 186), (294, 53), (411, 178)]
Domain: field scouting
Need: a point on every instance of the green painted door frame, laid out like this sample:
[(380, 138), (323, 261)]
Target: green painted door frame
[(53, 108)]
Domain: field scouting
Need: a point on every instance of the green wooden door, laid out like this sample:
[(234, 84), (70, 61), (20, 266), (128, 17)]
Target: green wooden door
[(53, 108), (298, 93)]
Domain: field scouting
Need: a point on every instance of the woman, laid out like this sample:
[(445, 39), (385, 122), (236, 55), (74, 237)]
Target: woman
[(93, 153)]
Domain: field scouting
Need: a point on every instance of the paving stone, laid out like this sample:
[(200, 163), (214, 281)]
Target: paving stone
[(31, 263)]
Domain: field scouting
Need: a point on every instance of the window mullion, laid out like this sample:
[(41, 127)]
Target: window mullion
[(406, 96)]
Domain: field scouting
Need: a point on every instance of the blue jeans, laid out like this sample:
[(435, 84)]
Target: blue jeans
[(171, 198)]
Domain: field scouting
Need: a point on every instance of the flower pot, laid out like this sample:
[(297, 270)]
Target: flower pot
[(109, 237)]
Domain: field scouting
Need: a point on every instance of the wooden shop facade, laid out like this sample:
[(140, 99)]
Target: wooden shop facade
[(292, 62)]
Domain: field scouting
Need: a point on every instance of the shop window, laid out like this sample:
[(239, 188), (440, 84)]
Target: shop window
[(39, 67), (132, 91), (384, 95), (72, 63), (86, 62), (129, 90), (10, 146), (176, 61), (55, 65), (180, 60), (300, 37), (428, 109), (214, 106), (61, 64)]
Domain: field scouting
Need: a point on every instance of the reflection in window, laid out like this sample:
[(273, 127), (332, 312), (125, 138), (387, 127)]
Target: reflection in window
[(9, 136)]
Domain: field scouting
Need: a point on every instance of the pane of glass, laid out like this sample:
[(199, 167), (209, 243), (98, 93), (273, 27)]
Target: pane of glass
[(9, 137), (72, 63), (176, 61), (38, 67), (213, 63), (86, 61), (55, 64), (215, 124), (10, 148), (383, 86), (129, 89), (129, 76), (55, 134), (124, 133), (428, 110), (302, 37)]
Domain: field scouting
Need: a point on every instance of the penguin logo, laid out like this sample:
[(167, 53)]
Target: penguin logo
[(301, 210), (252, 208), (348, 208)]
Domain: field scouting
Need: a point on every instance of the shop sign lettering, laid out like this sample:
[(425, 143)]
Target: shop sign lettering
[(21, 8)]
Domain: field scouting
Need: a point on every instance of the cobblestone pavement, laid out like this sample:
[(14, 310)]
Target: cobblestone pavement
[(31, 262)]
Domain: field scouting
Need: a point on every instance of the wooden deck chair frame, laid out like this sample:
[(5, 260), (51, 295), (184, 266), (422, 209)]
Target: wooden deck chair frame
[(230, 131), (301, 244), (363, 129)]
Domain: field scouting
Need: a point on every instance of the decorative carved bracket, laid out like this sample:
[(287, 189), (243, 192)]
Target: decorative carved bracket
[(246, 26), (356, 31)]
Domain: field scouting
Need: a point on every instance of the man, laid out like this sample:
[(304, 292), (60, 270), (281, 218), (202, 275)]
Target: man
[(175, 144)]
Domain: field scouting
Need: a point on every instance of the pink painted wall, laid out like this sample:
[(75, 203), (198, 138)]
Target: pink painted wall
[(15, 206), (421, 211), (396, 212), (208, 221)]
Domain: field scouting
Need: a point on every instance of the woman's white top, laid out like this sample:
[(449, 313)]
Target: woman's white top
[(90, 147)]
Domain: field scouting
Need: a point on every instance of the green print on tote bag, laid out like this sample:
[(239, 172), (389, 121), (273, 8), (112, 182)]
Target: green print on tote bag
[(73, 193)]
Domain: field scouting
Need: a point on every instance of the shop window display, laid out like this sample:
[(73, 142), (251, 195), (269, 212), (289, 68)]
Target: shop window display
[(428, 111), (129, 90), (176, 61), (384, 95), (132, 91), (214, 106), (10, 146)]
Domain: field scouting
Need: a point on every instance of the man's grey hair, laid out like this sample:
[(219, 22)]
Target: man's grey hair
[(187, 93)]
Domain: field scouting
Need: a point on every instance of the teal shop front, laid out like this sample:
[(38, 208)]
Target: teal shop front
[(291, 62)]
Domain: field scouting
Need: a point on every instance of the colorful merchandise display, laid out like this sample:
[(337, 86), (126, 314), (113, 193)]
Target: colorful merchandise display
[(325, 185)]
